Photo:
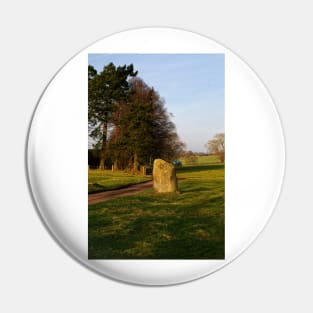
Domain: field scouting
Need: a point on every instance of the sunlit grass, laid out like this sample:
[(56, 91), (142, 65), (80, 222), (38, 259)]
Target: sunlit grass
[(198, 160), (148, 225)]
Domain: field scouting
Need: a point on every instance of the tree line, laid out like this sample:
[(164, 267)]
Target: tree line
[(128, 122)]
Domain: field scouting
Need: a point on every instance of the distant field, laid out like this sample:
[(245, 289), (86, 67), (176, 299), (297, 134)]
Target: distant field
[(108, 180), (186, 225), (205, 159)]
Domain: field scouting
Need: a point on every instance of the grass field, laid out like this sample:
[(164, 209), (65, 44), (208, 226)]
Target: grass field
[(108, 180), (186, 225), (198, 160)]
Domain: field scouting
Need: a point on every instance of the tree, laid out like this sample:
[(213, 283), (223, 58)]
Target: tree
[(143, 130), (217, 146), (127, 119), (105, 90), (190, 157)]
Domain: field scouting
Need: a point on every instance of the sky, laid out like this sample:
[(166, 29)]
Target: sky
[(192, 86)]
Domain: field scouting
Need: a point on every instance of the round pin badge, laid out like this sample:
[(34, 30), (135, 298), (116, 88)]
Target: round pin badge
[(155, 156)]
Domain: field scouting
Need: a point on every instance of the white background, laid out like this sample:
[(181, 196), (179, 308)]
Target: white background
[(274, 274)]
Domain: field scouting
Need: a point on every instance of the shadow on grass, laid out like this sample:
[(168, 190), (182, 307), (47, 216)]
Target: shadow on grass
[(149, 225), (162, 237), (154, 226)]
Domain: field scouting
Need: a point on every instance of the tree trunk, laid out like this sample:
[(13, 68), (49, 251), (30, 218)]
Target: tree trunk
[(115, 166), (104, 145), (135, 167)]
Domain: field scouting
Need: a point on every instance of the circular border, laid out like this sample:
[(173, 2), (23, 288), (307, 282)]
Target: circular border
[(86, 263)]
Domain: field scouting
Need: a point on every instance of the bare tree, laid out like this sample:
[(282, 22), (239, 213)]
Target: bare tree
[(217, 146)]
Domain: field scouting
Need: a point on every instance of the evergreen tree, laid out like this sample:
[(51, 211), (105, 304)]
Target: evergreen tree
[(105, 90)]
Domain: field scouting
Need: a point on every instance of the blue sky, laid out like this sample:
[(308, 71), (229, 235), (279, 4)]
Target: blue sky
[(192, 86)]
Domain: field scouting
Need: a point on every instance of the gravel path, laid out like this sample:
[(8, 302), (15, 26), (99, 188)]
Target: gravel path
[(111, 194)]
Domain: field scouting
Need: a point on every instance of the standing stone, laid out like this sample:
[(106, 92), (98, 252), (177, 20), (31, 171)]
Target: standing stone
[(164, 176)]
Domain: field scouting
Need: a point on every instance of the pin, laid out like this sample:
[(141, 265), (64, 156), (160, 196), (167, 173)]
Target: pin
[(185, 154)]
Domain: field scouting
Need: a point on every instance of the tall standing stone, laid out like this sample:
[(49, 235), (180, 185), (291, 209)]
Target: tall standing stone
[(164, 176)]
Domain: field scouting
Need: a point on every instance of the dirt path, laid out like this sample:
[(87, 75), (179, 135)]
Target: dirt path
[(111, 194)]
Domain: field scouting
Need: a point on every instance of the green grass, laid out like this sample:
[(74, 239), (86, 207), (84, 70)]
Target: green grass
[(198, 160), (108, 180), (186, 225)]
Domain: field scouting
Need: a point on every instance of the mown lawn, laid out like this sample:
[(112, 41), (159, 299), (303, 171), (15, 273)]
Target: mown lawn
[(186, 225), (198, 160), (108, 180)]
